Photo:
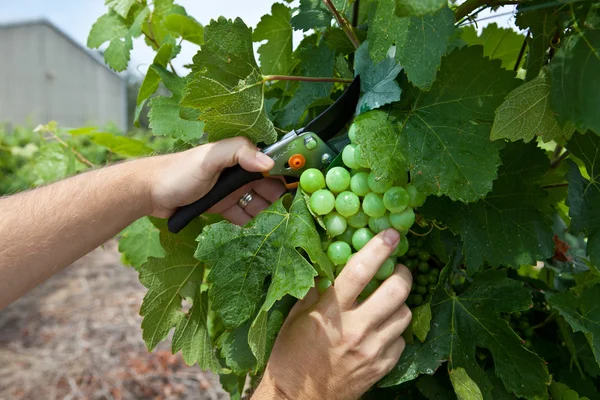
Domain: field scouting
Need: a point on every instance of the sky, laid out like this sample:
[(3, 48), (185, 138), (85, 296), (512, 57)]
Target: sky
[(75, 18)]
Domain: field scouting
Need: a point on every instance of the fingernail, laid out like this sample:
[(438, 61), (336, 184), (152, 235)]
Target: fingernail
[(264, 159), (391, 237)]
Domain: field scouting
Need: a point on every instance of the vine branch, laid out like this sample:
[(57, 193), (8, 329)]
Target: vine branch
[(469, 6), (343, 22), (268, 78), (77, 154)]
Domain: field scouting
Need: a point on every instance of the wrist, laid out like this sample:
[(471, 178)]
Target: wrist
[(144, 172), (268, 389)]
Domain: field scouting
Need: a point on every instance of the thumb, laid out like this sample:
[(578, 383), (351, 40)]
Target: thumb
[(239, 150)]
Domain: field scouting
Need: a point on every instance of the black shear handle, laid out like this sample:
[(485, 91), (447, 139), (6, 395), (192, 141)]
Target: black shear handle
[(231, 179)]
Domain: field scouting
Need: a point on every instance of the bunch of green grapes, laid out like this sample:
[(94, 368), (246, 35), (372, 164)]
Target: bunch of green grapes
[(355, 205), (425, 273), (519, 322)]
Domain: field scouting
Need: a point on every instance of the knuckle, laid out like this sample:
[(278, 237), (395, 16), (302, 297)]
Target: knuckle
[(370, 353), (401, 344), (354, 338), (357, 273), (397, 290), (407, 313)]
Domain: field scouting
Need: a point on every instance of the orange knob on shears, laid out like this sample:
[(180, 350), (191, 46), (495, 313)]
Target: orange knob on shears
[(297, 161)]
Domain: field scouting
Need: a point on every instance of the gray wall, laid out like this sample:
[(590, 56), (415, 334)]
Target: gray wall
[(45, 76)]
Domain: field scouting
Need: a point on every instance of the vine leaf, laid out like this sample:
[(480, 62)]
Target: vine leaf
[(498, 43), (462, 322), (140, 241), (377, 82), (379, 137), (446, 132), (227, 87), (276, 53), (420, 41), (185, 27), (165, 53), (418, 8), (584, 194), (512, 206), (312, 14), (243, 258), (121, 7), (560, 391), (165, 112), (575, 87), (464, 387), (169, 280), (526, 113), (581, 312)]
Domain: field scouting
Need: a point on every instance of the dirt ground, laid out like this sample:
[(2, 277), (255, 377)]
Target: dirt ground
[(78, 336)]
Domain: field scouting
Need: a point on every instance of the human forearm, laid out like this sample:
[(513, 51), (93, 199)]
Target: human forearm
[(46, 229)]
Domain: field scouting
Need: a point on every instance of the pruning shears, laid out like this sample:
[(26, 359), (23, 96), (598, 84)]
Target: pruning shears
[(313, 146)]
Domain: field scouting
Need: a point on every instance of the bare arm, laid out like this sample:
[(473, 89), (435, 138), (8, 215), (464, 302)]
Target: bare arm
[(46, 229)]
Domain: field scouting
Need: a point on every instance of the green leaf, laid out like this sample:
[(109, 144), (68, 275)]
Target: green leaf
[(312, 14), (584, 194), (446, 131), (339, 42), (581, 312), (379, 139), (121, 7), (420, 41), (462, 322), (167, 279), (236, 351), (560, 391), (185, 27), (464, 387), (140, 241), (267, 247), (165, 112), (152, 79), (227, 87), (121, 145), (498, 43), (526, 113), (575, 87), (276, 53), (377, 82), (505, 228), (421, 321), (418, 8), (316, 62), (54, 163)]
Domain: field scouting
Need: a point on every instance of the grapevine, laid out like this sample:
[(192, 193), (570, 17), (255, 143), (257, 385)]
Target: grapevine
[(479, 144)]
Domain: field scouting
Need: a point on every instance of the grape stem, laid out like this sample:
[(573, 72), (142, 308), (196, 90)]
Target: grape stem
[(469, 6), (77, 154), (343, 22), (268, 78)]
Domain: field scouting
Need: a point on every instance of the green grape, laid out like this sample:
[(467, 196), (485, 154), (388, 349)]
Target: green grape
[(358, 220), (379, 185), (338, 252), (428, 297), (352, 133), (430, 287), (350, 257), (360, 157), (335, 224), (312, 180), (412, 252), (415, 199), (323, 284), (373, 205), (417, 299), (378, 224), (422, 280), (411, 263), (347, 235), (395, 199), (529, 332), (432, 278), (421, 289), (402, 247), (403, 181), (434, 271), (523, 324), (349, 156), (361, 237), (423, 267), (322, 202), (386, 270), (347, 204), (420, 242), (337, 179), (403, 221), (424, 255), (370, 288), (359, 184)]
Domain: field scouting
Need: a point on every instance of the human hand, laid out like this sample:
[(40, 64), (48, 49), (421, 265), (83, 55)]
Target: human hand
[(333, 348), (182, 178)]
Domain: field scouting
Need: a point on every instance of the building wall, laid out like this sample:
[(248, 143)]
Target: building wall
[(45, 76)]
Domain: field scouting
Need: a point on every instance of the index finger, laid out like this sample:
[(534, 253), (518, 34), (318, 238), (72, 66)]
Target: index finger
[(363, 266)]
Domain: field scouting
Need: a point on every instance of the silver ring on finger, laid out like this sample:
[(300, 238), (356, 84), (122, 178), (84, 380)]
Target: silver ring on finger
[(245, 199)]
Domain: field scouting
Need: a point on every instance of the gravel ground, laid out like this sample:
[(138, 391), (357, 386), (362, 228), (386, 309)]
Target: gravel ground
[(78, 336)]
